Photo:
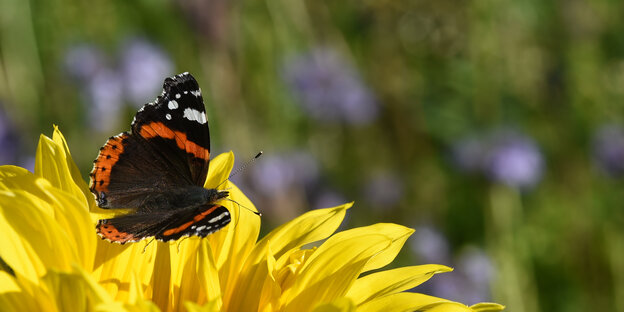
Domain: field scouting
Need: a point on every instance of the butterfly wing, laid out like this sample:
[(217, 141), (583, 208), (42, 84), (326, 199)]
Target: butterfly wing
[(169, 145), (196, 221)]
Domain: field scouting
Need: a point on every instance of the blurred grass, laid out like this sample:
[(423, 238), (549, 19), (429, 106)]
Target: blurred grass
[(440, 70)]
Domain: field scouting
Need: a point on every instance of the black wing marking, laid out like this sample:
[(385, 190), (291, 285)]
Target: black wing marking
[(166, 225)]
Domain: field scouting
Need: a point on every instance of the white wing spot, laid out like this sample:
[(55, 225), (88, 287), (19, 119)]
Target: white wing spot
[(196, 93), (178, 95), (219, 217), (194, 115), (200, 228), (172, 104), (168, 116), (185, 92)]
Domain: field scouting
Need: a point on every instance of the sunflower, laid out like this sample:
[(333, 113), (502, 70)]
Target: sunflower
[(52, 260)]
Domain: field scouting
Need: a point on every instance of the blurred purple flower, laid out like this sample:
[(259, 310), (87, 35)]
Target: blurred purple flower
[(515, 160), (506, 157), (608, 149), (9, 141), (327, 198), (82, 61), (430, 245), (143, 66), (105, 94), (138, 79), (477, 267), (470, 281), (278, 173), (329, 88), (383, 190)]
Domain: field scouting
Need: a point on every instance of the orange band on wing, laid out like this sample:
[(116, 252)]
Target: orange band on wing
[(196, 219), (158, 129), (109, 155)]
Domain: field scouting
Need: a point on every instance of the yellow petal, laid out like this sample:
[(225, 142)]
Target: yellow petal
[(135, 300), (13, 177), (75, 221), (239, 236), (399, 235), (33, 240), (75, 174), (311, 226), (139, 306), (332, 269), (487, 307), (339, 305), (380, 284), (231, 245), (112, 270), (411, 302), (219, 170), (161, 279), (67, 210), (271, 291), (207, 270), (208, 307), (74, 291), (51, 163), (186, 282), (13, 297)]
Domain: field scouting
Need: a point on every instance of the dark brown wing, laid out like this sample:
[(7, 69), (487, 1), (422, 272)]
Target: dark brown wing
[(169, 146), (165, 225)]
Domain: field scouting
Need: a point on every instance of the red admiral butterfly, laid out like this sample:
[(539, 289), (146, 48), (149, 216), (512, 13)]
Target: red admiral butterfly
[(159, 169)]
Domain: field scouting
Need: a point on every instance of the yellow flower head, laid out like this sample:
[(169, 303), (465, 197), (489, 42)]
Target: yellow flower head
[(52, 259)]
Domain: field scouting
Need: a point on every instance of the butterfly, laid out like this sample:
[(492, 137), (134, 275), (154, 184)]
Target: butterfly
[(158, 168)]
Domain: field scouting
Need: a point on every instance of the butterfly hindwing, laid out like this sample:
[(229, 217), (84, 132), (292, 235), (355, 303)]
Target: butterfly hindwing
[(165, 225)]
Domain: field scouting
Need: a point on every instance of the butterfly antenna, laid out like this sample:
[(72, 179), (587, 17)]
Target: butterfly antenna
[(241, 168), (259, 214)]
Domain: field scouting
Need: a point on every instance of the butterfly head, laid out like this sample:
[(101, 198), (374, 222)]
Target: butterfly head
[(213, 195)]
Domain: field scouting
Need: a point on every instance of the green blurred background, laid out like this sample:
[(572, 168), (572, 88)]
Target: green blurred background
[(494, 128)]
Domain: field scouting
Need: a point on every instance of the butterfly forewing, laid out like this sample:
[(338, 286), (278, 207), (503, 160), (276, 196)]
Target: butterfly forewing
[(169, 145), (166, 153)]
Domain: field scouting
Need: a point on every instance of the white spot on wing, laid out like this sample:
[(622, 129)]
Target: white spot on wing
[(219, 217), (196, 93), (168, 116), (178, 95), (194, 115), (172, 104)]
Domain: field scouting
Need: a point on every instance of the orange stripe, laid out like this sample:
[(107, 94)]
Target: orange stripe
[(158, 129), (196, 219), (108, 157)]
